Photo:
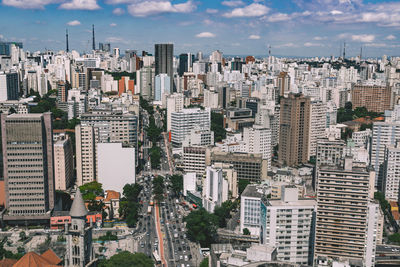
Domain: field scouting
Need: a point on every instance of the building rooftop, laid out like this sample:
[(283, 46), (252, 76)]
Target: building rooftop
[(300, 202), (254, 190), (78, 208)]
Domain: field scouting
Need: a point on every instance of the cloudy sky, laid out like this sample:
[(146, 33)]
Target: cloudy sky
[(240, 27)]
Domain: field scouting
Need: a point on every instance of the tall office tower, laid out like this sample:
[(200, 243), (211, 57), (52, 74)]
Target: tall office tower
[(161, 86), (174, 104), (145, 82), (105, 47), (199, 56), (288, 223), (215, 188), (383, 134), (374, 98), (66, 40), (61, 92), (283, 83), (164, 57), (93, 39), (27, 148), (185, 63), (187, 119), (391, 170), (5, 47), (258, 141), (294, 129), (9, 86), (86, 139), (317, 125), (345, 224), (63, 163), (116, 52), (216, 56)]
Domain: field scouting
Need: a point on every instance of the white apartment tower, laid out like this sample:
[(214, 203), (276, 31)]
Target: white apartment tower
[(317, 125), (258, 141), (215, 189), (86, 139), (63, 163), (174, 104), (391, 170), (184, 121), (288, 225)]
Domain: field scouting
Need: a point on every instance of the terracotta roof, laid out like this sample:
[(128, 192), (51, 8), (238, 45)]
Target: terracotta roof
[(51, 257), (396, 215), (32, 259), (112, 195), (7, 262), (393, 204)]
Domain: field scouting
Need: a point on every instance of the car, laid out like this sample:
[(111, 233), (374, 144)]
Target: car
[(395, 250), (180, 257), (186, 258), (142, 245)]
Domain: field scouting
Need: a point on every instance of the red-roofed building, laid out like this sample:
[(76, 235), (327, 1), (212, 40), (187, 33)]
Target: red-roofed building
[(32, 259)]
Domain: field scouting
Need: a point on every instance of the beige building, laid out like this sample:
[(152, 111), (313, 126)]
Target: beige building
[(373, 97), (86, 139), (294, 130), (348, 219), (27, 147), (63, 163)]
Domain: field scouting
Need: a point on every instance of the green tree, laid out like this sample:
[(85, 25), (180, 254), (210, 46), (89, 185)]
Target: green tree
[(204, 263), (155, 157), (201, 227), (91, 190), (22, 236), (217, 126), (395, 238), (129, 205), (72, 123), (382, 201), (126, 258), (108, 237), (242, 185), (177, 183), (158, 188), (246, 231), (223, 212)]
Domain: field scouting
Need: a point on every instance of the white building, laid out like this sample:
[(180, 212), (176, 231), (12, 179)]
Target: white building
[(86, 138), (250, 208), (287, 224), (258, 141), (215, 189), (391, 171), (184, 121), (63, 163), (361, 138), (189, 182), (317, 125), (194, 159), (116, 166), (199, 137), (174, 104), (162, 86)]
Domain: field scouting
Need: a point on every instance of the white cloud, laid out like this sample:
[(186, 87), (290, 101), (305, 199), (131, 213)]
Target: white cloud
[(116, 40), (336, 12), (254, 37), (320, 38), (211, 11), (144, 9), (81, 5), (113, 25), (205, 35), (232, 3), (390, 37), (74, 23), (28, 4), (118, 11), (208, 22), (278, 17), (309, 44), (1, 37), (287, 45), (253, 10), (364, 38), (376, 45)]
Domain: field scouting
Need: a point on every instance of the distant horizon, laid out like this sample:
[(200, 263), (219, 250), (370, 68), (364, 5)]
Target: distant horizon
[(294, 28)]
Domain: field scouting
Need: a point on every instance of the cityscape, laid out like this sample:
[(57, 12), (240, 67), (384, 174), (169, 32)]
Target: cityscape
[(266, 150)]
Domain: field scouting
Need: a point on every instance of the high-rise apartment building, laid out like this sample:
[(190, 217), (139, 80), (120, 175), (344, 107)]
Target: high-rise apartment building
[(184, 121), (61, 92), (194, 160), (63, 163), (164, 56), (343, 225), (373, 97), (383, 134), (161, 86), (283, 83), (5, 47), (86, 139), (9, 86), (317, 125), (145, 84), (27, 148), (288, 224), (258, 141), (391, 171), (174, 104), (330, 151), (294, 129), (250, 208), (215, 188)]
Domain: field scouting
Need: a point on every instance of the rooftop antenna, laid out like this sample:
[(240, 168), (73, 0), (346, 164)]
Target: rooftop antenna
[(360, 53), (340, 51), (93, 40), (66, 37), (269, 51), (344, 50)]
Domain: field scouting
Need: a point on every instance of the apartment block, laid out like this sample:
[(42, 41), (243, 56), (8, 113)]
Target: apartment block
[(86, 139), (63, 163)]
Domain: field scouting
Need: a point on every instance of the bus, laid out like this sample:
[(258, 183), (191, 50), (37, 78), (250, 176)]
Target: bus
[(156, 258), (149, 209), (151, 202)]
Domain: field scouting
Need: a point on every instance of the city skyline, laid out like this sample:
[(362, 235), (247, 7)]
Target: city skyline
[(292, 28)]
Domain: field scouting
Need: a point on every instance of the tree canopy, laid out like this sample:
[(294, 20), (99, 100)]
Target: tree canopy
[(91, 190), (395, 238), (217, 126), (177, 183), (223, 212), (201, 227), (126, 258), (158, 188), (129, 204)]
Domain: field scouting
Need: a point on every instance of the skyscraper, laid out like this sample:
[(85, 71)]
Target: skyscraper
[(185, 63), (294, 129), (9, 86), (347, 217), (93, 39), (27, 147), (164, 56)]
